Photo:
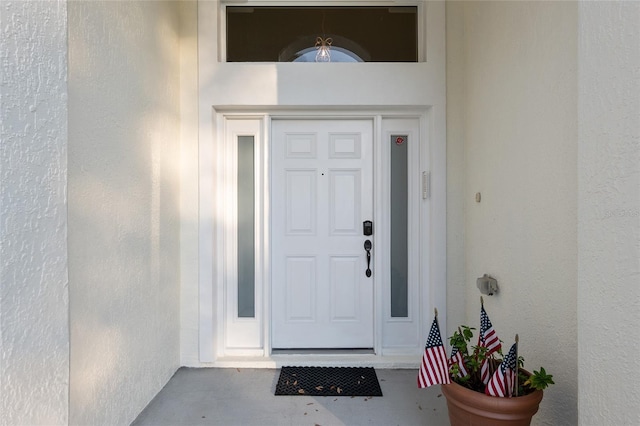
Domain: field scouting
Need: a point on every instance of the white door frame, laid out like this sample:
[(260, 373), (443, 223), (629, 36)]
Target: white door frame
[(260, 89), (214, 295)]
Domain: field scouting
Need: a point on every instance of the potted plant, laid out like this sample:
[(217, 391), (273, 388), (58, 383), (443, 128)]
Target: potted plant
[(482, 387)]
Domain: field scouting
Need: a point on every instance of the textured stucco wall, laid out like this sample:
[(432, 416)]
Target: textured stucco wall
[(34, 302), (124, 242), (609, 213), (189, 296), (519, 109), (456, 278)]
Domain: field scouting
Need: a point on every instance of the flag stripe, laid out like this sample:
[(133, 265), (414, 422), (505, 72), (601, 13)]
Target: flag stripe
[(487, 338), (434, 367), (503, 380), (457, 358)]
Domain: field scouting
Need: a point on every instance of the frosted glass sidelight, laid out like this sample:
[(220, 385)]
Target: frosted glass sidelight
[(246, 227), (399, 220)]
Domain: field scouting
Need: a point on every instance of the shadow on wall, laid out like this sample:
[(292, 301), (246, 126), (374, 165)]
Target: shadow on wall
[(123, 176)]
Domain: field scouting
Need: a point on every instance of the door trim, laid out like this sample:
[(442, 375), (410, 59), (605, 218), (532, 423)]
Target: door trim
[(213, 349)]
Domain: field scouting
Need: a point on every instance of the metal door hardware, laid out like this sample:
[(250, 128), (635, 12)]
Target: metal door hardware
[(367, 228), (367, 248)]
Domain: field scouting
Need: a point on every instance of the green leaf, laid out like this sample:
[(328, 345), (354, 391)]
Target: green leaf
[(540, 379)]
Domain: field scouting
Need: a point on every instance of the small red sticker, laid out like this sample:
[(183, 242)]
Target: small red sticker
[(399, 140)]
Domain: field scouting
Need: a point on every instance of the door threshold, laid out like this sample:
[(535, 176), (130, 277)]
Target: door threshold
[(317, 360), (320, 351)]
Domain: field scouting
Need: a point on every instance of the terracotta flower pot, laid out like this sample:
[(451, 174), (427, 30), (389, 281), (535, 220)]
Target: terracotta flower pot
[(467, 407)]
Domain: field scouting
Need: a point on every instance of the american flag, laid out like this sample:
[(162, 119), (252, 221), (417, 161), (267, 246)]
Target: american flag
[(456, 358), (503, 381), (434, 368), (488, 339)]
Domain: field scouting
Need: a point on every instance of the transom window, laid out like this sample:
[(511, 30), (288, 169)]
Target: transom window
[(322, 34)]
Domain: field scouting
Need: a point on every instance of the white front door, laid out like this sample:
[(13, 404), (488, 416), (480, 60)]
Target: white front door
[(322, 191)]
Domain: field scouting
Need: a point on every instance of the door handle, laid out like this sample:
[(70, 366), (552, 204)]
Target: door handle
[(367, 248)]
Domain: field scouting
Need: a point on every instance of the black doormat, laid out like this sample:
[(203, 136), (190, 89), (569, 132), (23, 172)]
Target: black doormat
[(328, 381)]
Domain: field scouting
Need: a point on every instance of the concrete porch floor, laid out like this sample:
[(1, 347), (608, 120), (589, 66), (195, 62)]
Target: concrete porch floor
[(244, 397)]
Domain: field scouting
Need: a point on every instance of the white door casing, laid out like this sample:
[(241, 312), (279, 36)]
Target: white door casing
[(250, 340), (257, 93), (321, 192)]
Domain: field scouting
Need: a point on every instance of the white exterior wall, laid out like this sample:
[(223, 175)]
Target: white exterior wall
[(516, 65), (609, 212), (34, 301), (456, 277), (124, 106), (122, 199), (189, 177)]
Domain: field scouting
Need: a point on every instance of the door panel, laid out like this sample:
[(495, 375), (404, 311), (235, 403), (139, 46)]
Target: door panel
[(322, 191), (344, 206), (301, 202), (300, 288), (344, 288)]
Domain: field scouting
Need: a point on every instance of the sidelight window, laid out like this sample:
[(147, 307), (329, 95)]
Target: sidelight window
[(399, 231), (246, 227)]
